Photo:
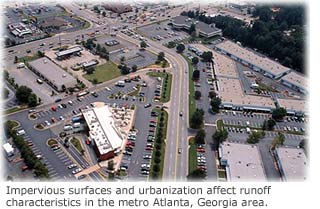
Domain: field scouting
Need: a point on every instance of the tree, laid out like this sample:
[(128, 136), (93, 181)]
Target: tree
[(122, 59), (207, 56), (95, 81), (40, 54), (143, 45), (196, 75), (134, 68), (23, 93), (180, 48), (215, 104), (110, 165), (279, 113), (218, 137), (125, 70), (197, 174), (192, 29), (196, 120), (254, 137), (32, 100), (197, 95), (278, 140), (161, 56), (89, 70), (98, 48), (268, 124), (195, 60), (104, 13), (199, 138), (212, 94), (15, 59)]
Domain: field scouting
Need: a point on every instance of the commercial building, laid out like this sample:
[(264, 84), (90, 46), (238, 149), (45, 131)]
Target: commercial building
[(251, 59), (68, 52), (205, 30), (103, 132), (293, 106), (19, 29), (51, 73), (295, 81), (53, 23), (8, 149), (242, 162), (90, 63), (118, 7), (292, 163)]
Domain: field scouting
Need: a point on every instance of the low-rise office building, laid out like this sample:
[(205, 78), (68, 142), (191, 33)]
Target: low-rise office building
[(51, 73), (242, 162), (103, 133), (205, 30), (19, 29), (259, 63), (293, 106), (117, 7), (295, 81), (292, 163)]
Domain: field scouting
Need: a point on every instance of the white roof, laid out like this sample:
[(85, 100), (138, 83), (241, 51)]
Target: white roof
[(293, 163), (243, 162), (249, 56), (8, 148), (103, 131)]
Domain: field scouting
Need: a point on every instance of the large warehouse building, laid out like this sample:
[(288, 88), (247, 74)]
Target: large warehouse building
[(292, 163), (205, 30), (295, 81), (251, 59), (51, 73), (242, 162), (103, 133)]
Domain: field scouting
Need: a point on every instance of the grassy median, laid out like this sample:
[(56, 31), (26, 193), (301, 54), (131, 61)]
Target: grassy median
[(166, 84), (158, 153), (77, 144), (192, 101), (192, 155)]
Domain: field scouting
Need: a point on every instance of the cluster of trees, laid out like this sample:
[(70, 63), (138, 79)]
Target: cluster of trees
[(218, 137), (27, 154), (268, 33), (196, 75), (161, 59), (278, 140), (10, 80), (196, 120), (255, 136), (207, 56), (197, 174), (215, 104), (124, 69), (199, 137), (195, 60), (25, 95), (279, 113), (100, 50), (159, 143), (143, 45), (165, 86), (197, 95)]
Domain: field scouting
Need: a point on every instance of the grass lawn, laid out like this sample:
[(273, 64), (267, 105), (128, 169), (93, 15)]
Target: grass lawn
[(52, 142), (163, 147), (165, 95), (76, 143), (28, 58), (220, 124), (192, 155), (14, 109), (192, 101), (104, 72), (222, 174)]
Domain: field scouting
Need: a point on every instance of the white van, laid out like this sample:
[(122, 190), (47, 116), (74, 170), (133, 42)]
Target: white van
[(21, 132), (20, 65)]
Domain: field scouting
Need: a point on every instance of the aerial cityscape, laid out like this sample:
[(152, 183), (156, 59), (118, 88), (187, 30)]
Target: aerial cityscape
[(161, 91)]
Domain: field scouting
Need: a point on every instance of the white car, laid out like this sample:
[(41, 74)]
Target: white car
[(61, 118), (47, 123), (70, 102)]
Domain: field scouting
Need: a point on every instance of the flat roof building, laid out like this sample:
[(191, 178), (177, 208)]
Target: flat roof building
[(118, 7), (19, 29), (242, 162), (292, 163), (68, 52), (205, 30), (103, 132), (293, 106), (295, 81), (251, 59), (51, 73)]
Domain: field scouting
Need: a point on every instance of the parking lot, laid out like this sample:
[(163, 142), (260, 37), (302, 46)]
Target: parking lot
[(162, 32), (122, 44), (135, 57)]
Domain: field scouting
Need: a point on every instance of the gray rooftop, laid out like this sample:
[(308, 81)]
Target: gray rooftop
[(69, 51), (203, 27), (52, 71)]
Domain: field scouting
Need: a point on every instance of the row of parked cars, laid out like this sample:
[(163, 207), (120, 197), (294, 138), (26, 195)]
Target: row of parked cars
[(201, 158)]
